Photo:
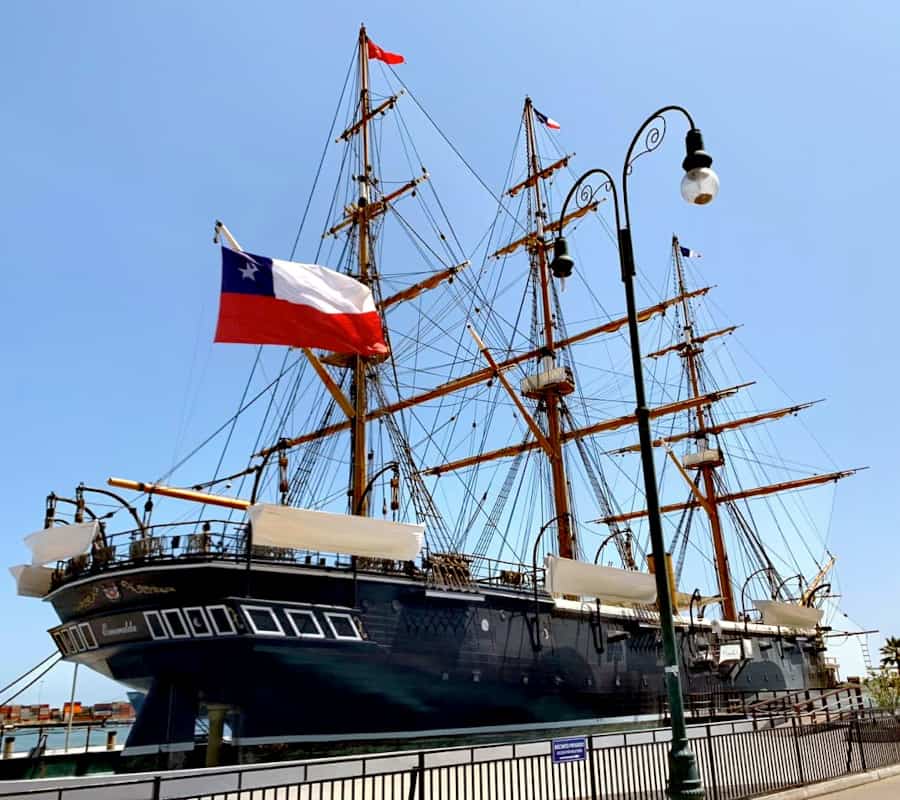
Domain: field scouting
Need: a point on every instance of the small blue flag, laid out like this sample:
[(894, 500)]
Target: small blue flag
[(688, 253)]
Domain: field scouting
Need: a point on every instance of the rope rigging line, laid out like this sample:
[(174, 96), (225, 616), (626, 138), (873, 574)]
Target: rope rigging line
[(422, 500), (749, 532), (468, 302), (315, 183), (272, 395), (785, 465), (303, 471), (31, 683), (215, 433), (228, 438), (490, 526), (450, 144), (686, 536), (32, 669)]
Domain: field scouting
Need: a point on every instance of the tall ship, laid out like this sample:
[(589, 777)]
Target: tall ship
[(447, 536)]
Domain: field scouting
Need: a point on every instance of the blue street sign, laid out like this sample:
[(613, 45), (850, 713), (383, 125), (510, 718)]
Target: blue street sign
[(572, 748)]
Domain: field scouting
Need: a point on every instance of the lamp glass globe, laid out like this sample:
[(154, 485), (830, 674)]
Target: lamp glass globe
[(699, 186)]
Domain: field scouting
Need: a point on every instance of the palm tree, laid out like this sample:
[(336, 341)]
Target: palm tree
[(890, 652)]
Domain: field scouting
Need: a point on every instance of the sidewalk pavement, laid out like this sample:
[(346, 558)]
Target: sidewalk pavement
[(879, 784), (888, 789)]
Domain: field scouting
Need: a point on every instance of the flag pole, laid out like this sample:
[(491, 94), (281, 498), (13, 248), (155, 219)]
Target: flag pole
[(223, 232), (71, 708)]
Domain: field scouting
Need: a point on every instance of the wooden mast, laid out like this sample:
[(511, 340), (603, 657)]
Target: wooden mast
[(359, 460), (689, 353), (551, 395)]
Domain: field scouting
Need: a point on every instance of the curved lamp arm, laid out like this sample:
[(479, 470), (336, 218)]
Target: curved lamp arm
[(652, 140), (608, 185)]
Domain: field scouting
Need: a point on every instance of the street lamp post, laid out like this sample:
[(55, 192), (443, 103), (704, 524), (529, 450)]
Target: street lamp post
[(699, 186)]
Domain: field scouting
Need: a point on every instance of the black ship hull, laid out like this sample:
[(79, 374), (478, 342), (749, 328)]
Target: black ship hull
[(311, 654)]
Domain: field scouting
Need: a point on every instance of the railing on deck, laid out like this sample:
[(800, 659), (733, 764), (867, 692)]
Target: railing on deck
[(812, 704), (227, 540), (737, 760)]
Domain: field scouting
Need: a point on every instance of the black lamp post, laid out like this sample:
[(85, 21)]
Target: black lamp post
[(699, 186)]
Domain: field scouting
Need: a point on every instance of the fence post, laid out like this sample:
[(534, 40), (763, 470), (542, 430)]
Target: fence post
[(859, 741), (156, 786), (591, 766), (713, 782), (421, 775), (797, 750)]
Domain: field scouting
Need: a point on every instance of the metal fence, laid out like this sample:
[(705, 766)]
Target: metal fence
[(737, 760)]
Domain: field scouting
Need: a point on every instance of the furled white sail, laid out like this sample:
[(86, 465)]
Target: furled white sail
[(64, 541), (609, 584), (31, 581), (324, 532), (791, 615)]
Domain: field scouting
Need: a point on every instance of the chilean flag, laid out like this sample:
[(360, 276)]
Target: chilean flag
[(268, 301), (545, 120)]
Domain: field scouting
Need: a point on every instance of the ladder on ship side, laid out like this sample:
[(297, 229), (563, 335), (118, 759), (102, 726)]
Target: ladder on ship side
[(867, 656)]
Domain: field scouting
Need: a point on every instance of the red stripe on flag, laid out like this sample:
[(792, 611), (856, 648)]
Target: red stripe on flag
[(257, 319), (383, 55)]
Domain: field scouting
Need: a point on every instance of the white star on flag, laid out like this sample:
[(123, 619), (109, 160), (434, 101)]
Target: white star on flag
[(249, 271)]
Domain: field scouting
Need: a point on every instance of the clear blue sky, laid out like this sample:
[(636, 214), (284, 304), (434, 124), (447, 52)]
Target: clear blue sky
[(128, 128)]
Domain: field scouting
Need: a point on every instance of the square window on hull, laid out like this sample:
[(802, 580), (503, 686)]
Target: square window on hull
[(57, 637), (78, 638), (197, 621), (68, 644), (155, 625), (305, 624), (175, 623), (221, 620), (88, 633), (263, 621), (342, 626)]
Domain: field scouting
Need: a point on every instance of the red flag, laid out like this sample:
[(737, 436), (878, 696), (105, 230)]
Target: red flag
[(383, 55)]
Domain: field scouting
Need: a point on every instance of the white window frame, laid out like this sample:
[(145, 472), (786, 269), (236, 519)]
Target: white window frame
[(306, 613), (271, 612), (329, 615), (163, 612), (215, 626), (78, 638), (162, 624), (202, 613), (86, 626)]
